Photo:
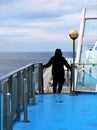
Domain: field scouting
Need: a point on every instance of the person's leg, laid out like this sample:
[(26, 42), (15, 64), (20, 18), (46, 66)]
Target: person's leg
[(54, 85), (61, 82)]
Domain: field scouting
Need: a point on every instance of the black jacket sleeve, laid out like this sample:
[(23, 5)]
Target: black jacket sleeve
[(48, 64), (66, 64)]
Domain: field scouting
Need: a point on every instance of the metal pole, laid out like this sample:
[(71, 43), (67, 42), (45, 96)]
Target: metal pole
[(73, 76), (39, 78), (18, 95), (25, 102), (71, 80), (33, 90), (73, 35), (2, 112), (7, 112), (41, 89)]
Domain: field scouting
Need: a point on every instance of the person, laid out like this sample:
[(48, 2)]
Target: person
[(57, 61)]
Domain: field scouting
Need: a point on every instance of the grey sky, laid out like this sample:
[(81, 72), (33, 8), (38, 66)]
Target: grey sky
[(42, 25)]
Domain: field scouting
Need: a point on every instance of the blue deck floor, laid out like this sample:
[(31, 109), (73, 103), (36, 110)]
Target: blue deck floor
[(61, 112)]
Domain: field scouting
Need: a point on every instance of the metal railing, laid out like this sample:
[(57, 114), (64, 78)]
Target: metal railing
[(16, 89), (19, 87)]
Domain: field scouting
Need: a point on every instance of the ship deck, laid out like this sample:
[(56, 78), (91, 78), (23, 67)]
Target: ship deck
[(61, 112)]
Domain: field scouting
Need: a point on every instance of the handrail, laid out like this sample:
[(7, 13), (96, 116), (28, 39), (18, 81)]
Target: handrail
[(14, 72), (13, 83)]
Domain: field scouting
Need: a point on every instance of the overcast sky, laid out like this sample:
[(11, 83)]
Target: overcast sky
[(38, 25)]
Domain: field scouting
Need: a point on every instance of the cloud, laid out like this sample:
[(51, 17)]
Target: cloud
[(28, 9), (54, 29), (49, 21)]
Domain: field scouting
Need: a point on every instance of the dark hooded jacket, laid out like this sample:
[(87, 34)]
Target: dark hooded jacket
[(57, 61)]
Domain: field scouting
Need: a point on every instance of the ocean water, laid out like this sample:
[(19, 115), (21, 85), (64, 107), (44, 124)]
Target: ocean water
[(10, 61)]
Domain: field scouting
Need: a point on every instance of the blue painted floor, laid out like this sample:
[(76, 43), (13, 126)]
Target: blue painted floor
[(61, 112)]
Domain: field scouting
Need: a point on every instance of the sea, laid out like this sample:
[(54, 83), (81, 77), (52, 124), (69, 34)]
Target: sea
[(10, 61)]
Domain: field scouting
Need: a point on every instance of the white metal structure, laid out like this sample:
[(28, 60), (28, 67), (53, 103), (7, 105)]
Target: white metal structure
[(87, 34)]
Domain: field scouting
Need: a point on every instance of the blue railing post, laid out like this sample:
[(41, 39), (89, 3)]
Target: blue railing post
[(41, 78), (71, 81), (18, 95), (7, 112), (1, 110), (25, 102), (33, 90)]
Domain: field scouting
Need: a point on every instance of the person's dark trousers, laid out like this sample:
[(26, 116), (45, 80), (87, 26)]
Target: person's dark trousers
[(54, 85), (61, 82)]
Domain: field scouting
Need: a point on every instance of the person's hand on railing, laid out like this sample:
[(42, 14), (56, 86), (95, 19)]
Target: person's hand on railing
[(43, 66), (71, 68)]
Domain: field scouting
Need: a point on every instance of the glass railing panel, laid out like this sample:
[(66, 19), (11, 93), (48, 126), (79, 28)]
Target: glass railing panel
[(87, 77), (1, 111), (90, 27), (36, 76), (87, 3), (89, 36), (38, 70), (69, 60), (91, 12), (14, 96), (4, 87), (89, 53), (21, 88), (29, 83)]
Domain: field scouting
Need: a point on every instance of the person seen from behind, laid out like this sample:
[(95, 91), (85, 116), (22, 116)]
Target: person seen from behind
[(58, 62)]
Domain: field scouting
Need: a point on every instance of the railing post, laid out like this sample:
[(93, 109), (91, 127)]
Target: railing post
[(7, 112), (71, 81), (18, 95), (10, 84), (25, 102), (33, 90), (32, 69), (41, 88), (28, 75), (83, 75), (2, 111)]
